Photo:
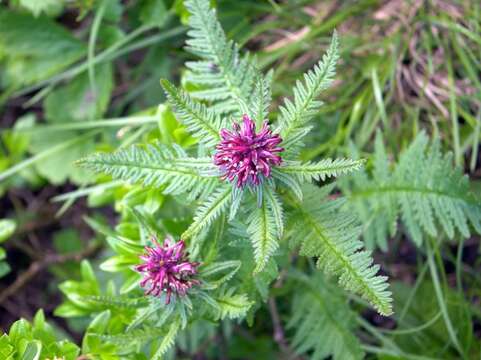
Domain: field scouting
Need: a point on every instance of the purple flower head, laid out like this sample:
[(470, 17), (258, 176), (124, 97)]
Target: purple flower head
[(167, 268), (244, 155)]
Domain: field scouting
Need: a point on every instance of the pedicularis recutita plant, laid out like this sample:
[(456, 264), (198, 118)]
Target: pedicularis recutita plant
[(247, 172)]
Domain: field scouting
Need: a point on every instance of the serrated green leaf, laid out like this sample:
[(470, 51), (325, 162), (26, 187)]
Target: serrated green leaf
[(205, 272), (310, 171), (275, 205), (320, 311), (207, 212), (332, 235), (295, 115), (424, 190), (167, 341), (155, 165), (199, 120), (223, 76), (263, 233), (233, 306)]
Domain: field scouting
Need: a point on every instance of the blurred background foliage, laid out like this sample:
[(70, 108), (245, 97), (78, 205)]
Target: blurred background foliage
[(83, 75)]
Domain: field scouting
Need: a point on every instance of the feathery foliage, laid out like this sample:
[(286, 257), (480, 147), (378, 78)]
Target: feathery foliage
[(324, 231), (423, 190), (229, 84), (262, 97), (232, 305), (154, 165), (289, 181), (137, 336), (216, 229), (201, 122), (274, 203), (264, 232), (295, 115), (213, 207), (322, 320), (307, 172), (223, 74), (111, 302), (168, 340)]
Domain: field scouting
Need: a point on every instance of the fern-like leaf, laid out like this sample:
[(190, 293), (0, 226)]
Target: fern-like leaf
[(295, 115), (168, 340), (237, 195), (263, 232), (263, 97), (307, 172), (223, 74), (274, 203), (213, 207), (155, 165), (423, 190), (137, 336), (200, 121), (323, 321), (324, 231), (156, 307), (207, 271), (289, 181), (117, 301), (232, 306)]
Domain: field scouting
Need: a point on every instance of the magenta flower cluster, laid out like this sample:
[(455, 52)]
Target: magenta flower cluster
[(245, 156), (166, 268)]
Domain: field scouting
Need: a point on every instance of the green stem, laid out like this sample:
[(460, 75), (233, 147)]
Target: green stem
[(44, 154), (91, 45), (441, 300), (412, 294), (108, 54), (96, 124)]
